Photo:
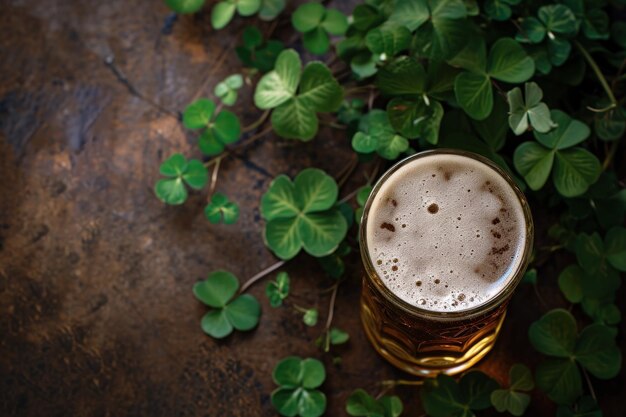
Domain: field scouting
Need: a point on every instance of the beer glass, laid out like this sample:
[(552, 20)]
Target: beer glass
[(406, 330)]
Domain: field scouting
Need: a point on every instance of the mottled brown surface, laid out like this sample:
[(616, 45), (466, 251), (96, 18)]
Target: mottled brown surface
[(96, 312)]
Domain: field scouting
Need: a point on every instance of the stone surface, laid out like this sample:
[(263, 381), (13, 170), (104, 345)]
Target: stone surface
[(97, 317)]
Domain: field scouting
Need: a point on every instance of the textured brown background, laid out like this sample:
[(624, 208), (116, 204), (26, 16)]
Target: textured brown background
[(97, 317)]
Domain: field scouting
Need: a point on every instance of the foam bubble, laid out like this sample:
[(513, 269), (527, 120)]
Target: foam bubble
[(460, 208)]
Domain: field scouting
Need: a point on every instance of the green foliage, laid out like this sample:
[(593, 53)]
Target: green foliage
[(529, 112), (297, 95), (303, 214), (310, 317), (270, 9), (297, 394), (361, 199), (185, 6), (257, 53), (586, 407), (377, 135), (218, 131), (513, 399), (594, 348), (360, 403), (221, 209), (444, 397), (317, 23), (333, 264), (278, 290), (179, 174), (224, 11), (338, 336), (227, 89), (228, 310)]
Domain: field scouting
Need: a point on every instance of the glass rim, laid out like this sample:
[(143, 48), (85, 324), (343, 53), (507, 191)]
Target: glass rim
[(493, 302)]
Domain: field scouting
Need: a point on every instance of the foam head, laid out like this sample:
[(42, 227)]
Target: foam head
[(446, 232)]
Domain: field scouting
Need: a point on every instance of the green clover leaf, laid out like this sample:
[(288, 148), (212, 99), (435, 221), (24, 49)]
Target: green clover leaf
[(532, 110), (310, 317), (278, 290), (256, 53), (270, 9), (594, 349), (229, 311), (360, 403), (180, 172), (223, 11), (297, 395), (512, 399), (185, 6), (338, 336), (227, 89), (221, 209), (316, 23), (615, 248), (387, 40), (376, 134), (296, 96), (593, 20), (361, 199), (586, 407), (302, 214), (220, 130), (444, 397), (333, 264), (499, 9)]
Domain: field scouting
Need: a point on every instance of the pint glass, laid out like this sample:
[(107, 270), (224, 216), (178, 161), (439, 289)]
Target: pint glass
[(445, 238)]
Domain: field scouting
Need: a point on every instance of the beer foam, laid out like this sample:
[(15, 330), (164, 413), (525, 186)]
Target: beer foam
[(446, 232)]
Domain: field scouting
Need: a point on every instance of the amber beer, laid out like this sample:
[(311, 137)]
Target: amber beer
[(445, 239)]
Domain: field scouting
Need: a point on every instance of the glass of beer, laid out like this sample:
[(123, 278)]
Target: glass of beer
[(445, 238)]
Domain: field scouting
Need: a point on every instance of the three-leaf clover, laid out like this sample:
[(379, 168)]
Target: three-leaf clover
[(297, 395), (179, 171), (257, 53), (377, 135), (513, 399), (555, 23), (594, 349), (590, 17), (229, 311), (444, 397), (227, 90), (499, 9), (219, 131), (302, 214), (316, 22), (601, 259), (185, 6), (575, 169), (531, 110), (221, 209), (507, 61), (360, 403), (223, 11), (297, 96), (278, 290)]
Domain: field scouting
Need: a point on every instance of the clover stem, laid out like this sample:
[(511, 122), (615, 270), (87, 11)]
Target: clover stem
[(258, 122), (388, 385), (216, 170), (260, 275), (329, 319), (345, 174), (372, 175), (610, 154), (349, 196), (539, 297), (591, 391), (600, 76)]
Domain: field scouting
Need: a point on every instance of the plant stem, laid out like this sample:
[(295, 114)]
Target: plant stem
[(388, 385), (329, 319), (256, 123), (239, 145), (349, 196), (610, 155), (260, 275), (349, 170), (600, 76), (214, 174), (593, 393)]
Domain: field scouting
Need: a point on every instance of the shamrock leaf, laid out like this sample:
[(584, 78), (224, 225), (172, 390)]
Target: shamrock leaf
[(610, 125), (360, 403), (220, 208), (220, 130), (179, 171), (223, 11), (270, 9), (297, 394), (317, 23), (338, 336), (297, 97), (586, 407), (185, 6), (499, 9), (376, 134), (532, 110), (278, 290), (227, 89), (594, 349), (350, 111), (228, 311), (512, 399), (361, 199), (443, 397), (310, 317), (333, 264), (255, 52), (302, 214), (615, 248), (387, 40), (575, 169), (554, 23), (593, 20)]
